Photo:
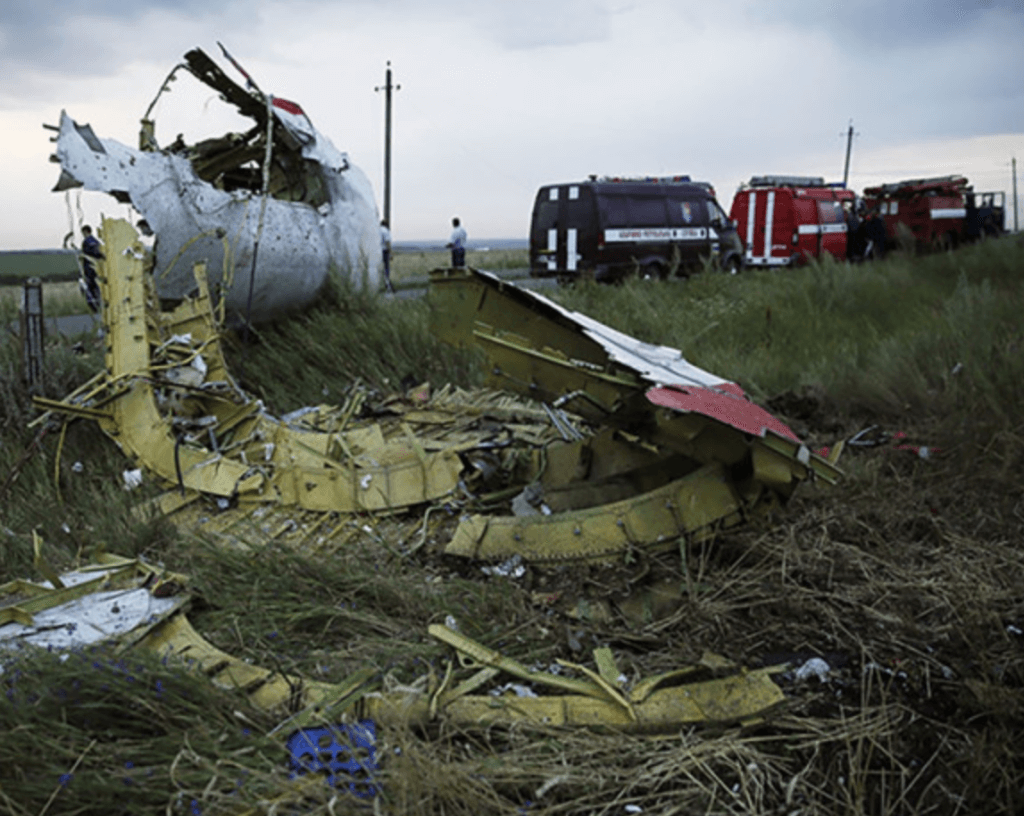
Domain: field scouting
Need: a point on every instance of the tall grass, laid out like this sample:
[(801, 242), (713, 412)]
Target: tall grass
[(883, 337), (905, 577), (350, 337)]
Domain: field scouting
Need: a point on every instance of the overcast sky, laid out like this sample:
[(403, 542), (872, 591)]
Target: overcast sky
[(498, 98)]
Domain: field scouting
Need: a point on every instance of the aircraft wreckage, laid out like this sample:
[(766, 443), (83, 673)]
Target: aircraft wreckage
[(271, 211), (654, 448), (621, 447), (130, 604)]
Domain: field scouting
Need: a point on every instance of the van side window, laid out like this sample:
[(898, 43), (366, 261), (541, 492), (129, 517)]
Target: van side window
[(830, 212), (647, 211), (614, 212)]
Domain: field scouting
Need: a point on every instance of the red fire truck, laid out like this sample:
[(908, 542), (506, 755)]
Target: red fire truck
[(940, 212), (787, 219)]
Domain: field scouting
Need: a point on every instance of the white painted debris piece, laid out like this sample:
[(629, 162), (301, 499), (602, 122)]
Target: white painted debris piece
[(96, 617), (194, 220)]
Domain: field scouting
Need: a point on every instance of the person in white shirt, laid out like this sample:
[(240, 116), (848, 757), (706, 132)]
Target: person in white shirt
[(457, 244)]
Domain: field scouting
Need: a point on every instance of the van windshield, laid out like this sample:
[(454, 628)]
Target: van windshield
[(716, 215)]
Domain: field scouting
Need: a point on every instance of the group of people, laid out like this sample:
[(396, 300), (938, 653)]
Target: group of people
[(456, 243), (865, 233)]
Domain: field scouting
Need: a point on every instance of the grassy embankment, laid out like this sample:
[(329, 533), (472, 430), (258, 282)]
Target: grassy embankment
[(906, 577)]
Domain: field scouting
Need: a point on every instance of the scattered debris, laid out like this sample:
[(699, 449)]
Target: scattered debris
[(656, 448), (815, 667), (678, 451), (123, 600), (115, 599)]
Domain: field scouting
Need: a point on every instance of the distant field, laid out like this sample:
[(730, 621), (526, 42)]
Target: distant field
[(48, 264), (416, 264), (60, 298)]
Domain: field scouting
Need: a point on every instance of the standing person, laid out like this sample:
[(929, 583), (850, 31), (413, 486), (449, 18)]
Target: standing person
[(854, 248), (90, 249), (385, 251), (457, 244), (876, 234)]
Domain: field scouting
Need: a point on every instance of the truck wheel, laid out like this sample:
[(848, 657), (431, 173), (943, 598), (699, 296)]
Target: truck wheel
[(733, 266)]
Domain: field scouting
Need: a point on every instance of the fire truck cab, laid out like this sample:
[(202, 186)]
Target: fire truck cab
[(940, 212), (787, 219)]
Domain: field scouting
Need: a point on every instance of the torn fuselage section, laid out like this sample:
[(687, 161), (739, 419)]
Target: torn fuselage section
[(266, 254)]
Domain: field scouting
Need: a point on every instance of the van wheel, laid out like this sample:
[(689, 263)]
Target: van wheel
[(654, 271), (733, 266)]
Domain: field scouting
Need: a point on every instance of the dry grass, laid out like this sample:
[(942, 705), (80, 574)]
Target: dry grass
[(904, 579)]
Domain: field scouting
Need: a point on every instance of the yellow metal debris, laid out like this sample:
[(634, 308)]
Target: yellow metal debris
[(171, 405), (665, 462), (653, 473), (599, 697)]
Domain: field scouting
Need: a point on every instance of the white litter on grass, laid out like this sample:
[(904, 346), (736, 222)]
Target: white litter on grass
[(815, 667), (132, 478), (512, 568), (88, 620), (517, 688), (549, 784), (77, 467)]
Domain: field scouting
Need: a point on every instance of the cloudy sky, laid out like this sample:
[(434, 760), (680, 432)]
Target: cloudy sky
[(498, 98)]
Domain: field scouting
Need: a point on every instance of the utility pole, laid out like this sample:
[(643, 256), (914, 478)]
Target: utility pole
[(388, 87), (849, 146), (1016, 226)]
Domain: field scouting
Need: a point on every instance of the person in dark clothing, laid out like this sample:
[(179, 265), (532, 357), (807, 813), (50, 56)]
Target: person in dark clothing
[(875, 233), (90, 249), (854, 233), (385, 251)]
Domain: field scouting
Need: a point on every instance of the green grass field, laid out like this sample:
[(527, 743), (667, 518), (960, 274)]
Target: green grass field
[(61, 295), (415, 266), (48, 265), (905, 578)]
